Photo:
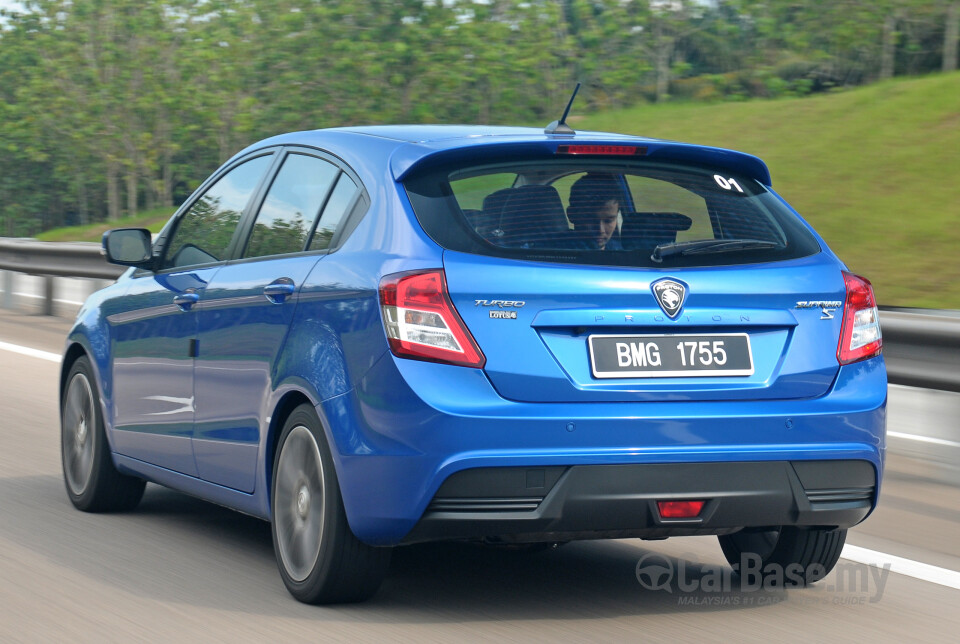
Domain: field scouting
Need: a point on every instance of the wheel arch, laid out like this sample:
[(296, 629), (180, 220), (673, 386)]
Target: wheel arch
[(284, 407), (71, 355), (84, 341)]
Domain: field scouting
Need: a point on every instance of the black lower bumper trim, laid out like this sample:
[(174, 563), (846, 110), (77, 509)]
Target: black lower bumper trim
[(598, 501)]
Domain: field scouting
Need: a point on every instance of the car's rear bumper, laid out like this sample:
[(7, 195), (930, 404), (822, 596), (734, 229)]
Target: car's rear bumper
[(562, 503), (409, 427)]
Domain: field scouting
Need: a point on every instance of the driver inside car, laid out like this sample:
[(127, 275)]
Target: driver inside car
[(594, 210)]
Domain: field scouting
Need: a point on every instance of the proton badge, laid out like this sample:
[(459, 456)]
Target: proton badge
[(670, 295)]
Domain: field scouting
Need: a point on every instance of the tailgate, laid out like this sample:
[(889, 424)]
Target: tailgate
[(572, 333)]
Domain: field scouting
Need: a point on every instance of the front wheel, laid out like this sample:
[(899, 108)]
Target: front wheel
[(93, 483), (320, 560), (784, 556)]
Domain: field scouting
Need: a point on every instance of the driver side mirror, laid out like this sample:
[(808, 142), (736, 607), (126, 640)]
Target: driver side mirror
[(128, 247)]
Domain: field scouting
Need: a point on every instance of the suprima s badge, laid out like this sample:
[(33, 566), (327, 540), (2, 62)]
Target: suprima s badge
[(827, 307), (670, 295)]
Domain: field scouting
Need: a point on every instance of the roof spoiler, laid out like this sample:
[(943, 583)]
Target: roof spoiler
[(412, 157)]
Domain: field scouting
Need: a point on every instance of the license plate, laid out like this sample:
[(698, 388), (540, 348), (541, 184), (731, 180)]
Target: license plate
[(669, 356)]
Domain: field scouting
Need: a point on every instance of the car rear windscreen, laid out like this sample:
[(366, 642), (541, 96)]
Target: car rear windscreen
[(589, 211)]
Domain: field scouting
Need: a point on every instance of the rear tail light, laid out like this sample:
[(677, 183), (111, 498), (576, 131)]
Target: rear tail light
[(861, 338), (422, 323)]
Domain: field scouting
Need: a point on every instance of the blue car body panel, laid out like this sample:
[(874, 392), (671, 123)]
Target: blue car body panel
[(619, 300), (152, 371), (241, 338), (461, 422), (190, 397)]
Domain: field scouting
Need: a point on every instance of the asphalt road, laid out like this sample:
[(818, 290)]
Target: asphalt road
[(181, 569)]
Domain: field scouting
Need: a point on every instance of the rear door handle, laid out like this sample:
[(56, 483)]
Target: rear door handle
[(186, 300), (279, 290)]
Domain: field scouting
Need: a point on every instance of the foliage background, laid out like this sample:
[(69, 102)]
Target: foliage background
[(110, 108)]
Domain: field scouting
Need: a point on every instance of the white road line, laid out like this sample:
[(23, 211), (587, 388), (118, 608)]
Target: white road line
[(40, 297), (924, 439), (899, 565), (27, 351)]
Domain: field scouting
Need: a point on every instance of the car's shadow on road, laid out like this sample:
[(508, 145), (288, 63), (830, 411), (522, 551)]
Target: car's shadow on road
[(174, 548)]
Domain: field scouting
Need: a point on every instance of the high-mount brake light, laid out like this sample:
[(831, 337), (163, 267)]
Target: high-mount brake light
[(861, 337), (422, 323), (603, 150)]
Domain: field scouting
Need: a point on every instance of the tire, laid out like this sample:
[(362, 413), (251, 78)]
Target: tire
[(320, 560), (93, 483), (788, 556)]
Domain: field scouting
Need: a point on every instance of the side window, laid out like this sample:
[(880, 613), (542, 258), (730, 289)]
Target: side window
[(204, 232), (333, 212), (291, 206), (657, 196)]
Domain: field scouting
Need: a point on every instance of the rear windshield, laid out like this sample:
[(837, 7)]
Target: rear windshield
[(588, 211)]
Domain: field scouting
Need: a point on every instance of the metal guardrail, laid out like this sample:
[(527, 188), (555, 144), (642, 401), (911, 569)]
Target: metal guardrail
[(51, 260), (921, 347), (56, 259)]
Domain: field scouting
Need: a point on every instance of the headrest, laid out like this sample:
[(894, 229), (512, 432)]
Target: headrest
[(532, 213), (641, 229)]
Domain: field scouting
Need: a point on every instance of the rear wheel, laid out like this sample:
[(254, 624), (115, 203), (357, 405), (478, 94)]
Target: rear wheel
[(785, 556), (320, 560), (93, 483)]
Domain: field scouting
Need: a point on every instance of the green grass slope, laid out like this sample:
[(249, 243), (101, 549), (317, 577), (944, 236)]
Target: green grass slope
[(152, 219), (875, 170)]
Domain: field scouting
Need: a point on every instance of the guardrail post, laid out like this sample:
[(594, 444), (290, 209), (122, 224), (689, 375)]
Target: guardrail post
[(7, 299), (94, 285), (48, 289)]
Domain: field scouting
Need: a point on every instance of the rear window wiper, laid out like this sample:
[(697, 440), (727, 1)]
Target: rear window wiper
[(708, 246)]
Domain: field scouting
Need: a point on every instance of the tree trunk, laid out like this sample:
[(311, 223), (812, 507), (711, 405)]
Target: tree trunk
[(151, 184), (663, 71), (406, 102), (113, 191), (151, 194), (227, 125), (889, 47), (664, 52), (950, 37), (82, 200), (131, 192), (483, 104), (166, 191)]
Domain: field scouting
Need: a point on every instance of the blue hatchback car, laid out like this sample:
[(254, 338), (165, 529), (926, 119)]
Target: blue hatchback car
[(379, 336)]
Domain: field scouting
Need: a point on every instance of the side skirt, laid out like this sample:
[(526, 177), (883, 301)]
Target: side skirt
[(251, 504)]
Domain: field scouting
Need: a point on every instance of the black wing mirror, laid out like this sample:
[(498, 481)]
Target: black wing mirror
[(128, 247)]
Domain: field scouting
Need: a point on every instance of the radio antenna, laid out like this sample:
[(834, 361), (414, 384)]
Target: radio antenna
[(561, 127)]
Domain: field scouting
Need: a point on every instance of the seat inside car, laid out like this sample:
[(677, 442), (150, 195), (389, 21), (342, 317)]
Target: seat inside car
[(488, 219), (531, 216), (649, 229)]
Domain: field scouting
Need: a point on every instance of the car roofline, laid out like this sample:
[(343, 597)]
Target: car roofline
[(415, 146)]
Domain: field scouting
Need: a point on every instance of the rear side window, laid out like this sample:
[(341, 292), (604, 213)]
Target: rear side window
[(593, 212), (291, 206), (342, 198)]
